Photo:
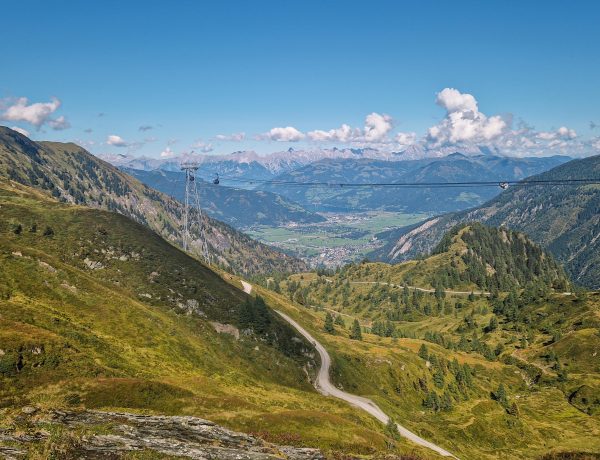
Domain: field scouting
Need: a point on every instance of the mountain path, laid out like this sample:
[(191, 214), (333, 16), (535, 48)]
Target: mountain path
[(324, 386)]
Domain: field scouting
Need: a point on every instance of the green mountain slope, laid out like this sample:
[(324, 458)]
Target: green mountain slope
[(70, 173), (238, 207), (98, 312), (564, 219), (512, 375)]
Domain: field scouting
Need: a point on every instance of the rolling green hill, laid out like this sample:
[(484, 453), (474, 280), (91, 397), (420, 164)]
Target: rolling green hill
[(71, 174), (99, 312), (564, 219), (509, 374)]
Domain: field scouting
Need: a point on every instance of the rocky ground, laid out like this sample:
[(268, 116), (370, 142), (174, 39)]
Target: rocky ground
[(115, 435)]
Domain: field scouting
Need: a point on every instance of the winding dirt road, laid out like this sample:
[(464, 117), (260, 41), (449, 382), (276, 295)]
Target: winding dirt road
[(324, 386)]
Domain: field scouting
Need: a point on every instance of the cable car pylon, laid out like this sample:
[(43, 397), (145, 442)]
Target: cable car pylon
[(192, 212)]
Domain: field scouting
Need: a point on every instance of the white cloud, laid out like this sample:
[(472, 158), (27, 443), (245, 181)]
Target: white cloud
[(463, 122), (233, 137), (454, 101), (287, 134), (59, 123), (22, 131), (377, 127), (35, 114), (117, 141), (342, 134), (167, 153), (563, 133), (202, 146), (405, 139)]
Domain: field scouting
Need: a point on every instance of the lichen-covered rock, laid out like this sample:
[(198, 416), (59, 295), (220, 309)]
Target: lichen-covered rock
[(183, 436)]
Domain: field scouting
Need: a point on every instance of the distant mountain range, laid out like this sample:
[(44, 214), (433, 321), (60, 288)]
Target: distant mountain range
[(239, 208), (565, 219), (359, 166), (71, 174), (248, 164), (455, 167)]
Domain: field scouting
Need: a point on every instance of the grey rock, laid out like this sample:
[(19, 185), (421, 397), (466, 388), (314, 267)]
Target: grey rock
[(184, 436)]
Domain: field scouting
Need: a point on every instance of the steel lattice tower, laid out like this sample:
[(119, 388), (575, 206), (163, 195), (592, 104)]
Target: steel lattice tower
[(192, 210)]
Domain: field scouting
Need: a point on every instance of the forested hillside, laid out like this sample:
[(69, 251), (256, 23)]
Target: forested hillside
[(513, 372), (564, 219)]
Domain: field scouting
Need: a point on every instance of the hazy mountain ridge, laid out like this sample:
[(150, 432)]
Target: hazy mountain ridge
[(455, 167), (238, 207), (72, 174), (565, 219)]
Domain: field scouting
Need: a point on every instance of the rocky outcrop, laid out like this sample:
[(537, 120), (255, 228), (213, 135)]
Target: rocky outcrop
[(182, 436)]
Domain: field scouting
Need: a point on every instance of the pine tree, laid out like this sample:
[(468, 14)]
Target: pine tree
[(392, 429), (500, 396), (446, 401), (438, 378), (245, 315), (356, 333), (424, 352), (328, 327), (493, 324), (340, 321)]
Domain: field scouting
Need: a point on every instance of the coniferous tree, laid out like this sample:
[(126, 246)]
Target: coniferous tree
[(392, 429), (356, 333), (328, 327), (424, 352), (501, 397)]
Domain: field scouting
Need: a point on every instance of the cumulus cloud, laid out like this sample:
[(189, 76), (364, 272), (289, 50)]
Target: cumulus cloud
[(563, 133), (405, 139), (377, 126), (342, 134), (36, 114), (233, 137), (463, 122), (22, 131), (287, 134), (117, 141)]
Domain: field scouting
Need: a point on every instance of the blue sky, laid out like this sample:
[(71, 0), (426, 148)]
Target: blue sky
[(193, 70)]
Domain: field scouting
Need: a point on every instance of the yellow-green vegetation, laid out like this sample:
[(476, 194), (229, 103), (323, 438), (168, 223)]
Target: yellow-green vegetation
[(513, 374), (97, 311)]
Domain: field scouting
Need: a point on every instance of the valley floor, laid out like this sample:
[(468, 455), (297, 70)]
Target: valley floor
[(343, 238)]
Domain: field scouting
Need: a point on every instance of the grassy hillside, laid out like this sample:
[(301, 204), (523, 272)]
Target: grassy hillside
[(71, 174), (564, 219), (98, 312), (514, 375)]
